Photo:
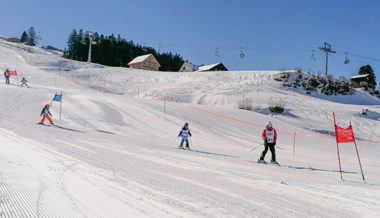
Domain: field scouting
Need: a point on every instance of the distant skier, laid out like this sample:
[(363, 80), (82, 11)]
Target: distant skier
[(269, 136), (185, 133), (6, 74), (23, 82), (46, 114)]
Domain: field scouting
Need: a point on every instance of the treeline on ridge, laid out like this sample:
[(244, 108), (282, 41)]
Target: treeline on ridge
[(115, 51)]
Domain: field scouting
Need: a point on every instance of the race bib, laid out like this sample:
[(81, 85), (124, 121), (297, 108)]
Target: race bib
[(185, 133), (270, 139), (270, 136)]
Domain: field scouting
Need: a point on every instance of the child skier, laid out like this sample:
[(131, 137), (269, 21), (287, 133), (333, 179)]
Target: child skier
[(269, 136), (23, 82), (46, 112), (185, 133)]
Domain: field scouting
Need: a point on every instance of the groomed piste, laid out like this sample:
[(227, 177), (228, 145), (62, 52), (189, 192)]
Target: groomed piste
[(114, 151)]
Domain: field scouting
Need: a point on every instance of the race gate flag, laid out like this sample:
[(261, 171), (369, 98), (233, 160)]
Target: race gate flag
[(344, 135), (12, 73), (57, 98)]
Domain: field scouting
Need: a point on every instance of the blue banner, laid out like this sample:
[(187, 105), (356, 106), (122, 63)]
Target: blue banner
[(57, 98)]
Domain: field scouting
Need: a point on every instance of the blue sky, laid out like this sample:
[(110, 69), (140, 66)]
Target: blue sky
[(274, 34)]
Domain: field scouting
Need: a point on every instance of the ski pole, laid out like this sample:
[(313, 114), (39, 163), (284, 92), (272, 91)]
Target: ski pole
[(279, 147), (253, 149)]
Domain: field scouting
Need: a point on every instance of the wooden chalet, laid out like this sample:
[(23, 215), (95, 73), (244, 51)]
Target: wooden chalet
[(145, 62), (361, 81)]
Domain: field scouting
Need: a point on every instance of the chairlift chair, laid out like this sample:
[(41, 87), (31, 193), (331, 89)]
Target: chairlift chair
[(313, 56), (347, 61), (242, 55), (217, 52), (160, 50)]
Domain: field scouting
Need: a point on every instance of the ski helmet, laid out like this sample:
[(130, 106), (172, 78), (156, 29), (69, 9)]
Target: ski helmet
[(269, 125), (47, 105), (186, 125)]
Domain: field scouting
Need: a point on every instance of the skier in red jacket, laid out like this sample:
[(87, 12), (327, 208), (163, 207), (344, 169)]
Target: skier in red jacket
[(269, 136)]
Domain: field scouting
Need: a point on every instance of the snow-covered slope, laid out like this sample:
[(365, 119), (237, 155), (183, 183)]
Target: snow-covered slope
[(114, 152)]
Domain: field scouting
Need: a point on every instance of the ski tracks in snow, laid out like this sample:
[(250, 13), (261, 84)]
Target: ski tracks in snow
[(185, 184), (30, 181)]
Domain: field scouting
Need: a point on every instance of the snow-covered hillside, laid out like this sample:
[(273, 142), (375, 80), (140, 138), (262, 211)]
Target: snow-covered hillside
[(114, 152)]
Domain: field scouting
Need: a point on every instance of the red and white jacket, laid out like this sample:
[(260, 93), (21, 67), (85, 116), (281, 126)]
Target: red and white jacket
[(270, 135)]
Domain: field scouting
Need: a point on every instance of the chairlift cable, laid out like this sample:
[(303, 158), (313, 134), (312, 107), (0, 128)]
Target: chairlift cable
[(264, 48)]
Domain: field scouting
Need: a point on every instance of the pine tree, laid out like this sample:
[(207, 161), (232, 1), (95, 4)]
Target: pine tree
[(32, 39), (71, 45), (372, 77), (115, 51), (24, 37)]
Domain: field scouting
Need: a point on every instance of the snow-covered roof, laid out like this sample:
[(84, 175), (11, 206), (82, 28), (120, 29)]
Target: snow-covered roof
[(208, 67), (186, 66), (359, 76), (139, 59)]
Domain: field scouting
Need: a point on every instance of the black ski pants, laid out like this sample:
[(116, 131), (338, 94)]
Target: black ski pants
[(272, 150)]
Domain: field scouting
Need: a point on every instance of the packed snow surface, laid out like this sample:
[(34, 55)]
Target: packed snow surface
[(114, 151)]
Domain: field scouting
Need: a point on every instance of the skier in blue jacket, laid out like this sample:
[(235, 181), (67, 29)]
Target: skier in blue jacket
[(185, 133)]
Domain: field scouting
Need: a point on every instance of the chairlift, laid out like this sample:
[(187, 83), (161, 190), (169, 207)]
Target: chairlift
[(160, 50), (313, 56), (347, 61), (242, 55), (144, 47), (217, 52), (38, 36)]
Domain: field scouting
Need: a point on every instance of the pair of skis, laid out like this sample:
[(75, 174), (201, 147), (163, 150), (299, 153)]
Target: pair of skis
[(184, 148), (264, 162), (45, 124)]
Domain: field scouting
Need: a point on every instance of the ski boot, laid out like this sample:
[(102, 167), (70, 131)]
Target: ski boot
[(261, 161), (274, 162)]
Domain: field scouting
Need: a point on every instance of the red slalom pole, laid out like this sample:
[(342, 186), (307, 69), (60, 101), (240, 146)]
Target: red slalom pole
[(357, 152), (337, 146)]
